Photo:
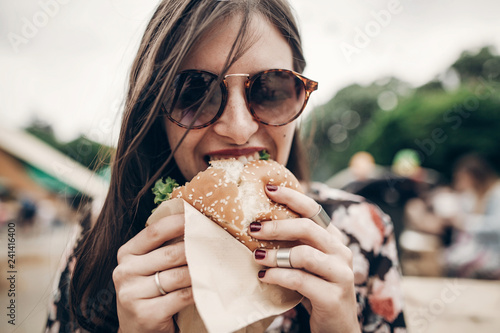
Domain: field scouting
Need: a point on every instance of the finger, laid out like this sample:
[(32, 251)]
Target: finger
[(155, 311), (301, 204), (153, 236), (296, 201), (335, 232), (144, 287), (160, 259), (331, 267), (304, 283), (301, 229), (170, 281), (172, 302), (321, 293)]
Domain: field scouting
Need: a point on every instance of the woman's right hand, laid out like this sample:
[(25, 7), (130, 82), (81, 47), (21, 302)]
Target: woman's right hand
[(140, 305)]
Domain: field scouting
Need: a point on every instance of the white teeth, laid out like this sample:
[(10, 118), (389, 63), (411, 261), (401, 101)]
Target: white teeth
[(243, 159), (253, 157)]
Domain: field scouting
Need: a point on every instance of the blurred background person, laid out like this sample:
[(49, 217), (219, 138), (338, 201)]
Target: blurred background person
[(361, 169), (455, 230), (428, 229), (475, 248)]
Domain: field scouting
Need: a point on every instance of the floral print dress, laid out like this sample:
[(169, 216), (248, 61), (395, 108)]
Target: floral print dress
[(368, 233)]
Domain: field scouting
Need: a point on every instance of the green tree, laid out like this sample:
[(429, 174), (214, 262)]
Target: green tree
[(89, 153), (438, 119), (483, 64), (439, 126), (334, 126)]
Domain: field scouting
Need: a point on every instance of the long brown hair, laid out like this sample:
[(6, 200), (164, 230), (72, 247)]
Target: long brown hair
[(143, 153)]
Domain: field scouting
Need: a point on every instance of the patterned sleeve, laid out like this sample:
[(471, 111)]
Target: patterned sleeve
[(369, 234)]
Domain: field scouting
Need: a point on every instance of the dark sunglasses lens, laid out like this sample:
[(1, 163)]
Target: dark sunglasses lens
[(276, 97), (190, 91)]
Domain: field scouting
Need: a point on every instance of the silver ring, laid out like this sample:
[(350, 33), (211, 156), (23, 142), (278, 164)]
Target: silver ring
[(321, 217), (283, 258), (158, 285)]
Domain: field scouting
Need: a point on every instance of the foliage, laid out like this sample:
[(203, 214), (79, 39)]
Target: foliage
[(334, 125), (89, 153), (440, 127), (439, 121), (483, 64)]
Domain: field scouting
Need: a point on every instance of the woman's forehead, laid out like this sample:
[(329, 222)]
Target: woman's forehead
[(264, 46)]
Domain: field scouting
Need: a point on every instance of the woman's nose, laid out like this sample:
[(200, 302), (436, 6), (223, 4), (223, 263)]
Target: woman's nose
[(236, 122)]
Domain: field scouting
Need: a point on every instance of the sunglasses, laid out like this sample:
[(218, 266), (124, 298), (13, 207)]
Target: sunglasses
[(275, 97)]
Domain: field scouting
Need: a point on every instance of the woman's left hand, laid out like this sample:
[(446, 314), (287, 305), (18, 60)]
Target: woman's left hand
[(322, 266)]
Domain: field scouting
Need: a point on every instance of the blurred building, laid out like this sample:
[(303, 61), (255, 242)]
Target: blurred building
[(37, 182)]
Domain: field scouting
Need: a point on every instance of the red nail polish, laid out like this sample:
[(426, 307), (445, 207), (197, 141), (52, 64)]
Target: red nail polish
[(262, 273), (259, 254), (255, 226), (271, 188)]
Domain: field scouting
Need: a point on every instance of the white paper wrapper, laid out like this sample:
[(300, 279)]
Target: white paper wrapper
[(228, 295)]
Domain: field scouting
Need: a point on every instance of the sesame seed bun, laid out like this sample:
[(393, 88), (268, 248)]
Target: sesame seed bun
[(232, 194)]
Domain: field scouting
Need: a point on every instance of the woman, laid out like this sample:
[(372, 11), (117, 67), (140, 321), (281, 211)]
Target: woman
[(178, 116), (475, 248)]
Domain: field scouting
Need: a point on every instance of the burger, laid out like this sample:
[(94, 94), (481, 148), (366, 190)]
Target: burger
[(232, 194)]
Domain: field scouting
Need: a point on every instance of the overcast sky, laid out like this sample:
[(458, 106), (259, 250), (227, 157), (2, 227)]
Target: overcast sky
[(66, 61)]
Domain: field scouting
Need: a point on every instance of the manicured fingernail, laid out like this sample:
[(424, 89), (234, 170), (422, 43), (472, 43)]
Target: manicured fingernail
[(262, 273), (271, 188), (259, 254), (255, 226)]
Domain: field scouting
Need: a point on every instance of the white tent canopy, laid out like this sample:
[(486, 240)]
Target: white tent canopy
[(37, 153)]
